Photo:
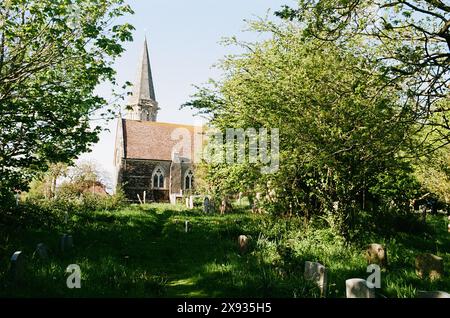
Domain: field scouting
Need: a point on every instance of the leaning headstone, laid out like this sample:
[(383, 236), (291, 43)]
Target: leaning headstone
[(429, 265), (317, 273), (42, 251), (357, 288), (432, 294), (243, 242), (376, 254), (186, 226), (17, 266)]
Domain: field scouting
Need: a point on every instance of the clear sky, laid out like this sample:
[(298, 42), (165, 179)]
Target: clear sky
[(183, 38)]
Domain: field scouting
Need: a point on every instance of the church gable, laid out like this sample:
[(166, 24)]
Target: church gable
[(158, 141)]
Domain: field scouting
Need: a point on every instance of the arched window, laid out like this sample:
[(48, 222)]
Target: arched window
[(158, 178), (189, 180)]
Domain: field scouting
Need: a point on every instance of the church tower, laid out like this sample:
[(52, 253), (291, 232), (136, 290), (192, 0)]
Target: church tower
[(143, 105)]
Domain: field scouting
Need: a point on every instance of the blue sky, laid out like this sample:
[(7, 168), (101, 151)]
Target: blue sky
[(183, 38)]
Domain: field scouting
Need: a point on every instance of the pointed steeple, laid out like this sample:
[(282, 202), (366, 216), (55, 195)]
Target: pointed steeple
[(144, 89), (143, 100)]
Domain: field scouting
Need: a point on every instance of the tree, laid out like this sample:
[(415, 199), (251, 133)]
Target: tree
[(339, 130), (410, 39), (53, 54)]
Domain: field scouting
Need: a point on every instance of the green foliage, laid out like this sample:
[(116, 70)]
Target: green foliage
[(116, 252), (409, 40), (53, 54), (341, 132)]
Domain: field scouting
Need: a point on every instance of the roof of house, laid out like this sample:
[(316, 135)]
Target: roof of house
[(158, 141)]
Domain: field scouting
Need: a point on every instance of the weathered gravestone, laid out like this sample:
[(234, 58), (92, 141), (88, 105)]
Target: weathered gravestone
[(429, 265), (317, 273), (41, 251), (357, 288), (191, 202), (17, 266), (66, 243), (243, 242), (186, 226), (376, 254), (432, 294), (206, 205)]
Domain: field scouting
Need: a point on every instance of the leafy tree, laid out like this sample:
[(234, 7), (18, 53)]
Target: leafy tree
[(410, 39), (53, 54), (339, 129)]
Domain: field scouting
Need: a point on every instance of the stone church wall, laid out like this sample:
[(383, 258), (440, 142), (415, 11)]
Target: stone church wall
[(136, 177)]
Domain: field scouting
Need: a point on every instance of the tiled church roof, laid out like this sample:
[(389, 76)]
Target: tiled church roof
[(157, 141)]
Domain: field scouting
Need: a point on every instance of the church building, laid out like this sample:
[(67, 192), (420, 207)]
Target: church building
[(148, 158)]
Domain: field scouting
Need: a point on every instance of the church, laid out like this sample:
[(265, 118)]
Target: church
[(147, 158)]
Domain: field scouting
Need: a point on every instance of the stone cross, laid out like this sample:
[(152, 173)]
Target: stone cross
[(17, 266), (317, 273), (357, 288)]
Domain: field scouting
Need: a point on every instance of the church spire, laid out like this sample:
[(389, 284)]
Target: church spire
[(143, 101)]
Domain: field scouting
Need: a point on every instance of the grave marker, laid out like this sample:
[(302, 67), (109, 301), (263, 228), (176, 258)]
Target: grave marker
[(42, 251), (429, 266), (17, 266), (376, 254), (317, 273), (357, 288)]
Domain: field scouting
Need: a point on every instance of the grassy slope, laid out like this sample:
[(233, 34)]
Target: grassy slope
[(144, 252)]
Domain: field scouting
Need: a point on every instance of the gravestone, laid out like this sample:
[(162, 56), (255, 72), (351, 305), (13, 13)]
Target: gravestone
[(243, 242), (42, 251), (186, 226), (206, 205), (70, 241), (17, 266), (376, 254), (429, 266), (317, 273), (357, 288), (187, 203), (66, 243), (432, 294), (191, 202)]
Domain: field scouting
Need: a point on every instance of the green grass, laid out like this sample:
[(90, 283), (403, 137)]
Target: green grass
[(143, 251)]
